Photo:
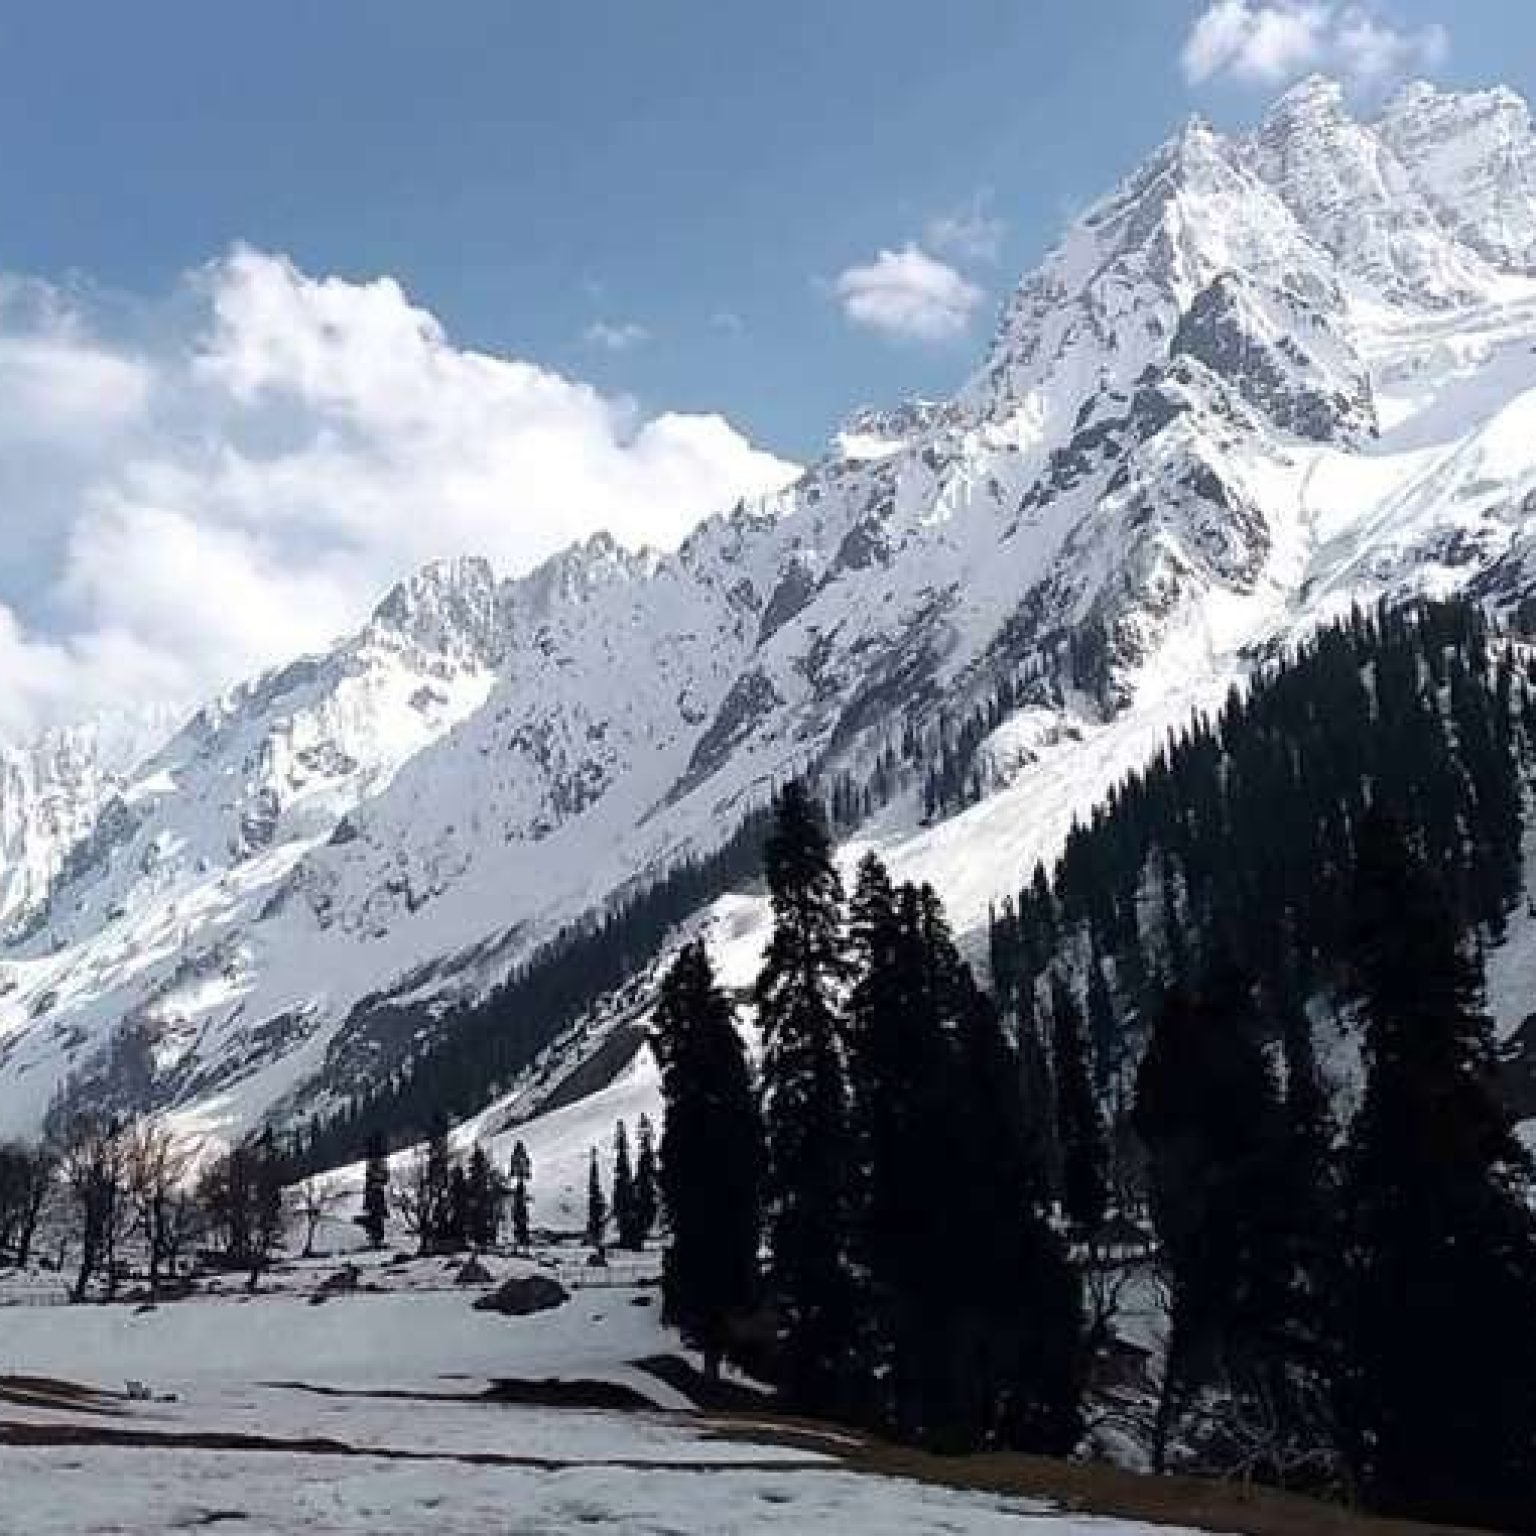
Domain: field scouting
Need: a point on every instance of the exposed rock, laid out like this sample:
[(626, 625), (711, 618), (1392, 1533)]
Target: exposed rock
[(523, 1295)]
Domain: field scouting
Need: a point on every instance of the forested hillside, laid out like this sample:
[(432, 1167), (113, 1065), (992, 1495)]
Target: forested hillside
[(1239, 838)]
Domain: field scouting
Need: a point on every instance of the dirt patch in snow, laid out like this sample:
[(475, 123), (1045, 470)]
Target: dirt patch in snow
[(50, 1392), (1081, 1487)]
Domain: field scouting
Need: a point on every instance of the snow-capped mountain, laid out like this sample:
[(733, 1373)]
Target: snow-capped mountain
[(1268, 376)]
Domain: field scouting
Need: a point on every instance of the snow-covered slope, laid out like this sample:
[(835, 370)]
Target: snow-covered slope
[(1266, 377)]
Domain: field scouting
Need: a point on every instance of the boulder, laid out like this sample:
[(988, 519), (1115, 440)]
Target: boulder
[(523, 1295)]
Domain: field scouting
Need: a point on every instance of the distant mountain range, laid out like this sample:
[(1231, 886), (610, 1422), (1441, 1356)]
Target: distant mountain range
[(1267, 378)]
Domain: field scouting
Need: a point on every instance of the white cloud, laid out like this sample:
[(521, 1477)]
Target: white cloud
[(971, 233), (248, 480), (615, 336), (1270, 42), (908, 295)]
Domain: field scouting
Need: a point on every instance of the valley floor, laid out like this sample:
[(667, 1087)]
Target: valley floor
[(387, 1410), (368, 1414)]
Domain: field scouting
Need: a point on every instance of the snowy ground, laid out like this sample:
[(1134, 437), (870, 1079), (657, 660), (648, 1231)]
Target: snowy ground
[(364, 1414), (68, 1492)]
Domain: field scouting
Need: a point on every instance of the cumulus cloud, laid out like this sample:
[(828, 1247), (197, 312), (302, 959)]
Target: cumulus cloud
[(908, 295), (1271, 42), (616, 336), (244, 481)]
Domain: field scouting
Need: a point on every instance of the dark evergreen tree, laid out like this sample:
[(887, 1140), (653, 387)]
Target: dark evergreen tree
[(375, 1212), (647, 1195), (521, 1233), (805, 1111), (1020, 1335), (1232, 1218), (712, 1159), (453, 1235), (626, 1211), (435, 1195), (266, 1196), (995, 1361), (1103, 1029), (597, 1207), (900, 1070), (485, 1195), (1084, 1156), (1437, 1392)]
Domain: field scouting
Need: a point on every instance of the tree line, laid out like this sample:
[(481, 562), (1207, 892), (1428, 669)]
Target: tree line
[(827, 1201), (121, 1202)]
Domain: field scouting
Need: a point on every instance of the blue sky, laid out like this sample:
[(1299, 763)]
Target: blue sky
[(295, 296), (697, 171)]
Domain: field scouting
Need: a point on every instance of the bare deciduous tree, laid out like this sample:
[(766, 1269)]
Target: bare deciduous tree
[(26, 1178), (314, 1200), (94, 1162), (157, 1165)]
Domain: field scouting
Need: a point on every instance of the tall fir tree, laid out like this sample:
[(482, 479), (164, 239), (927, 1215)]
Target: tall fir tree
[(806, 1113), (1023, 1344), (1080, 1126), (712, 1159), (647, 1196), (625, 1210), (375, 1213), (899, 1061), (521, 1230), (597, 1207), (995, 1361), (436, 1217), (1437, 1389), (1232, 1216), (485, 1197)]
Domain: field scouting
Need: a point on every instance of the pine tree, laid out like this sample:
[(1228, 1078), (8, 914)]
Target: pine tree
[(485, 1195), (375, 1212), (625, 1210), (521, 1235), (712, 1158), (1023, 1344), (597, 1207), (454, 1232), (1233, 1220), (436, 1216), (647, 1197), (266, 1195), (805, 1110), (520, 1170), (1103, 1027), (994, 1361), (1437, 1391), (902, 1107), (1080, 1128)]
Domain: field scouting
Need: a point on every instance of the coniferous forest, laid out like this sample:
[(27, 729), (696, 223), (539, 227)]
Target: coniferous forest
[(1349, 1295)]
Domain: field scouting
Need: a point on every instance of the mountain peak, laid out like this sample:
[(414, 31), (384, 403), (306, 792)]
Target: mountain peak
[(1472, 157), (449, 607), (1314, 95)]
